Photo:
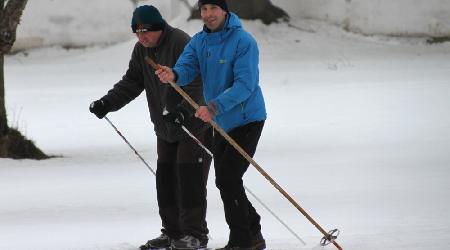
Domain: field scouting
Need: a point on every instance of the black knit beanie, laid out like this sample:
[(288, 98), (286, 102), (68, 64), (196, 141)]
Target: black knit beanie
[(146, 18), (221, 3)]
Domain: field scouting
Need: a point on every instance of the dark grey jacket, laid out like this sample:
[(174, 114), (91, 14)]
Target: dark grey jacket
[(140, 76)]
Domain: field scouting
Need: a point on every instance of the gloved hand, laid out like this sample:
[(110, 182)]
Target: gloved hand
[(99, 108), (176, 117)]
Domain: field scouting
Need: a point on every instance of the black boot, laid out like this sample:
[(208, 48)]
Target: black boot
[(161, 242), (258, 242), (190, 242)]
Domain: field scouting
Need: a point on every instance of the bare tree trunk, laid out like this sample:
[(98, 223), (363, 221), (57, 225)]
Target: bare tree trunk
[(252, 10), (12, 143), (3, 120), (9, 19)]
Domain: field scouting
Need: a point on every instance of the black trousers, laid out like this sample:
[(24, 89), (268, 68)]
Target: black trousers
[(181, 178), (230, 166)]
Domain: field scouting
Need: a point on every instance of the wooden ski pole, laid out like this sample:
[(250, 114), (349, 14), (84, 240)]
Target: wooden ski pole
[(200, 144), (233, 143)]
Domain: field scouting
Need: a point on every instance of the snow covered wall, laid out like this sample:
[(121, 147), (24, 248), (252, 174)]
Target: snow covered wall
[(80, 23), (72, 23), (377, 17)]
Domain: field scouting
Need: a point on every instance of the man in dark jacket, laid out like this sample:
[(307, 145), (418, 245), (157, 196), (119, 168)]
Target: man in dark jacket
[(182, 167)]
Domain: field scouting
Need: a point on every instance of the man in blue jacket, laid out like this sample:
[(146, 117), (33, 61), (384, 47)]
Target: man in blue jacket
[(227, 57)]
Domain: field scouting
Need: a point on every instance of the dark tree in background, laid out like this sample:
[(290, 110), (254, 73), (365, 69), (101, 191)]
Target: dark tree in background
[(263, 10), (12, 143)]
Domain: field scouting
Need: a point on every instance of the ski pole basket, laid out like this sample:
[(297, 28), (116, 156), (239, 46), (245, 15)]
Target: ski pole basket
[(330, 237)]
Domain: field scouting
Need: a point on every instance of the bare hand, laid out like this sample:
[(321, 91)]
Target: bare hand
[(165, 74), (203, 114)]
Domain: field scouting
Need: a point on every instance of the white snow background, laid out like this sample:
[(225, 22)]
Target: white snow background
[(358, 133)]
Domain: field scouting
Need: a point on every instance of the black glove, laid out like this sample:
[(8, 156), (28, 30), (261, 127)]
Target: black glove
[(99, 108), (176, 117)]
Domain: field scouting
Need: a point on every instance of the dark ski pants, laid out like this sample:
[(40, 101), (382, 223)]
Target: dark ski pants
[(230, 166), (181, 178)]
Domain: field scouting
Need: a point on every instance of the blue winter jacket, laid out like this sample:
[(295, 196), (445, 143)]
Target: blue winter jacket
[(228, 63)]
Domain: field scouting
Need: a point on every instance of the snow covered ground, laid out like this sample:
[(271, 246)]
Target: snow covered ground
[(358, 133)]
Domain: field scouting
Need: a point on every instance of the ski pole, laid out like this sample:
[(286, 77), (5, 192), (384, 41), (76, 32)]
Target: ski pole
[(327, 237), (209, 152), (197, 141), (246, 188), (128, 143)]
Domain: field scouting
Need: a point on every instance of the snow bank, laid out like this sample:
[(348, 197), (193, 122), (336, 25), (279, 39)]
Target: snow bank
[(84, 23), (80, 23), (384, 17)]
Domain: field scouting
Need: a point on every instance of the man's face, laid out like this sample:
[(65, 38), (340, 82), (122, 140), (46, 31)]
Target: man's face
[(149, 39), (213, 16)]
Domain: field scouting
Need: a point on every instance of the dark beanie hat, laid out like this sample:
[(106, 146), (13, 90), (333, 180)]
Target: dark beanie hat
[(146, 18), (221, 3)]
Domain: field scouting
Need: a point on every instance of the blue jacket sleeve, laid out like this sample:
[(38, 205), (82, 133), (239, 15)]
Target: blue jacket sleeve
[(246, 77), (187, 67)]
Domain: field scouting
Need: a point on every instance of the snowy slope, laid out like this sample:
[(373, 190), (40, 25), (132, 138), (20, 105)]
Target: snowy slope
[(358, 134)]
